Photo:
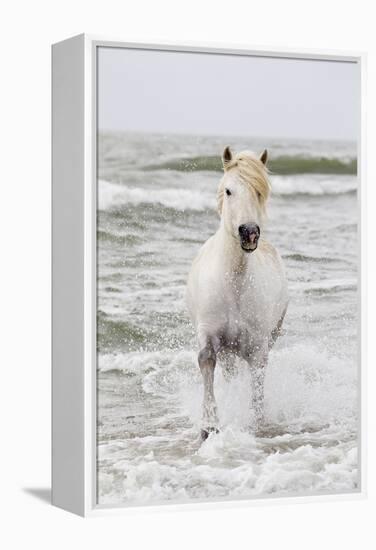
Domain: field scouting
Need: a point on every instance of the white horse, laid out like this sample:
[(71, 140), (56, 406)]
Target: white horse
[(237, 290)]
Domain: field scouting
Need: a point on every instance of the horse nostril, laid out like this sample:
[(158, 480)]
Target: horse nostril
[(247, 229), (242, 229)]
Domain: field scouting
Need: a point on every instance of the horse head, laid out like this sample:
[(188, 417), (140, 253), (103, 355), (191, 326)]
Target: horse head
[(242, 196)]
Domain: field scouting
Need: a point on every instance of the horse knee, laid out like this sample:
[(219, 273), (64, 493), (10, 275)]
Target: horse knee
[(207, 357)]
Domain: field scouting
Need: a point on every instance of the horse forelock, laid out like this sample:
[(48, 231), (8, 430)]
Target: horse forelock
[(252, 172)]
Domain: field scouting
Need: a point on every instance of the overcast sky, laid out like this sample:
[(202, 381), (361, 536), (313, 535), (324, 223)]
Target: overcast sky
[(151, 91)]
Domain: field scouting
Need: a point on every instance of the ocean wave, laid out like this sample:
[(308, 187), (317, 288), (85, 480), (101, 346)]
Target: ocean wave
[(115, 333), (281, 165), (327, 286), (112, 237), (169, 329), (309, 259), (113, 195), (133, 363), (314, 185)]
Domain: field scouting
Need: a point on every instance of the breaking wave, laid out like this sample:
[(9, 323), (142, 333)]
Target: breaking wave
[(115, 195)]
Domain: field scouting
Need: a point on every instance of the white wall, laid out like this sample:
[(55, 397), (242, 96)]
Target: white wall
[(27, 30)]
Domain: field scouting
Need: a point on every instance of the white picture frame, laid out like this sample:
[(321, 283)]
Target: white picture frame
[(74, 267)]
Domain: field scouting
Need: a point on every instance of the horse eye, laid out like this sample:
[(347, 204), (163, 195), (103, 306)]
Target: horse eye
[(228, 192)]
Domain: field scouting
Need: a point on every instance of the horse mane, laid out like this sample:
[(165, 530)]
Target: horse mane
[(252, 171)]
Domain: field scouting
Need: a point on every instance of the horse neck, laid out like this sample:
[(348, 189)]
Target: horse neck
[(233, 258)]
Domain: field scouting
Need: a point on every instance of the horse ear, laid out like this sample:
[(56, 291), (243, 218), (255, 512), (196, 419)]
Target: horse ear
[(264, 156), (226, 156)]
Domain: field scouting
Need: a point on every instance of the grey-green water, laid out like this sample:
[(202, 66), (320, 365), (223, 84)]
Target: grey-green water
[(156, 199)]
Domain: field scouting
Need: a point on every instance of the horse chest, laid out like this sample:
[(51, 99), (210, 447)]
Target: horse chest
[(244, 300), (243, 317)]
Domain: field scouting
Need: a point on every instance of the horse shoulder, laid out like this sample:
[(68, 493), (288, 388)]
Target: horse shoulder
[(203, 290), (269, 253), (270, 262), (269, 278)]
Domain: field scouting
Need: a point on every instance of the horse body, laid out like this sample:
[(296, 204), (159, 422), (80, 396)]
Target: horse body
[(237, 291)]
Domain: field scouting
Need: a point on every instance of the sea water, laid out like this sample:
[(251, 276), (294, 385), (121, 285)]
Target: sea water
[(156, 207)]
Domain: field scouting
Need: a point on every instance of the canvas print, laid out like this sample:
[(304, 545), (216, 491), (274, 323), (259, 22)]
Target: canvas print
[(227, 277)]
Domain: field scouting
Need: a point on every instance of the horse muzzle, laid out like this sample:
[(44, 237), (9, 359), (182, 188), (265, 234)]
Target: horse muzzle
[(249, 236)]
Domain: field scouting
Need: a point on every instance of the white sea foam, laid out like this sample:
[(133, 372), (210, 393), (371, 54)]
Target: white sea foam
[(303, 384), (310, 410), (254, 472)]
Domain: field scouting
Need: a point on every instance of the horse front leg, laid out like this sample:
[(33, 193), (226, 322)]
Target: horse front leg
[(258, 379), (207, 360), (257, 361)]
